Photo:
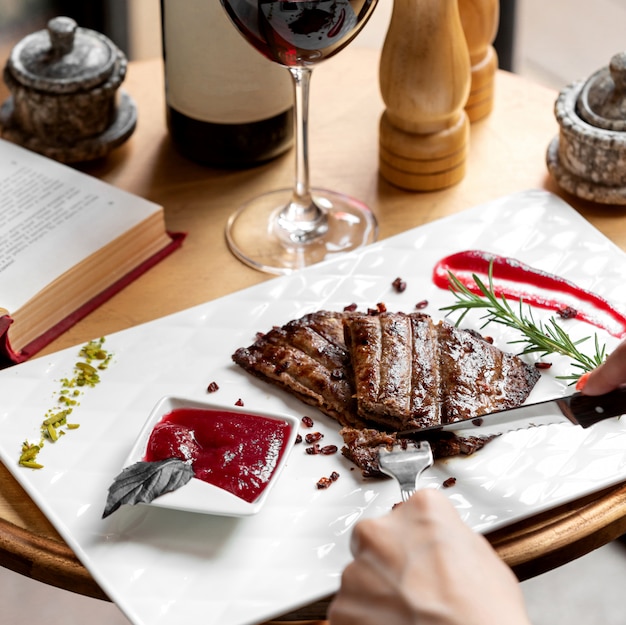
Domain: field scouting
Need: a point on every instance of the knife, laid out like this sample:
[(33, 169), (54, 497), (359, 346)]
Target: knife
[(579, 409)]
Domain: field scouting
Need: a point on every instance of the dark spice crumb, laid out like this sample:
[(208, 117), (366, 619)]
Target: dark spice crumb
[(212, 387), (567, 312), (325, 482), (399, 285), (478, 421), (421, 305), (381, 307), (313, 437), (451, 481), (350, 308), (543, 365), (307, 422)]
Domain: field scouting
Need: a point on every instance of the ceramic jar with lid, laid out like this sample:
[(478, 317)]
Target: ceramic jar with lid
[(588, 157), (64, 102)]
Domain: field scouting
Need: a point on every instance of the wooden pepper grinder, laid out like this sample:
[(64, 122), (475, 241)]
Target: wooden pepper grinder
[(425, 81), (480, 20)]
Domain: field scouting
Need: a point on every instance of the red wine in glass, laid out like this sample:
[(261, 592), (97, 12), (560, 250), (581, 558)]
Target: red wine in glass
[(298, 32), (288, 229)]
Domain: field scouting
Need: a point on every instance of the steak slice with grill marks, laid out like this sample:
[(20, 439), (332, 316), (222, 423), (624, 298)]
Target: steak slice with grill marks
[(308, 358), (395, 365), (477, 377), (411, 373)]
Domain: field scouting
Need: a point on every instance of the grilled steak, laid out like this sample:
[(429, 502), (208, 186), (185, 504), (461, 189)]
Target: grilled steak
[(385, 372)]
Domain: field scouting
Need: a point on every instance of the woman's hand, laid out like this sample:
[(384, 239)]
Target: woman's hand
[(422, 565)]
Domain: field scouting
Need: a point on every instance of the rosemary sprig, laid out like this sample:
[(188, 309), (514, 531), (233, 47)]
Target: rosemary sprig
[(538, 337)]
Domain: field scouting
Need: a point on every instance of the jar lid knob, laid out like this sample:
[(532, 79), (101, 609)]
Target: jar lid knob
[(617, 67), (62, 31), (602, 99)]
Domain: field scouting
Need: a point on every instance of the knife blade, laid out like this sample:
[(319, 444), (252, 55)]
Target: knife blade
[(579, 409)]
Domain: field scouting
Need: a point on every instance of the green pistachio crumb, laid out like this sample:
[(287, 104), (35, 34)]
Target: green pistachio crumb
[(94, 358)]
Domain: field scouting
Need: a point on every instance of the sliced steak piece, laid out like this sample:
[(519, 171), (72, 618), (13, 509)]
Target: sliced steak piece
[(361, 446), (395, 365), (308, 358), (477, 377), (411, 373)]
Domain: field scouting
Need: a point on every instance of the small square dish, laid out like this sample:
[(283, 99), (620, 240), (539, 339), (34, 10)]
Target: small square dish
[(240, 452)]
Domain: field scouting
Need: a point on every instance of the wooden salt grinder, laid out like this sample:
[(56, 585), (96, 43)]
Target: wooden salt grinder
[(425, 81), (480, 20)]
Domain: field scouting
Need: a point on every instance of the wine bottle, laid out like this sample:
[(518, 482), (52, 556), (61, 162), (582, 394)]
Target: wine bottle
[(226, 105)]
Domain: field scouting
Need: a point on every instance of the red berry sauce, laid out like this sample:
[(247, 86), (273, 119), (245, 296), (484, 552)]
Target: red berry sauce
[(231, 450), (515, 280)]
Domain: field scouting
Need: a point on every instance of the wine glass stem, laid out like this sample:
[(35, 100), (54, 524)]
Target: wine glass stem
[(302, 220)]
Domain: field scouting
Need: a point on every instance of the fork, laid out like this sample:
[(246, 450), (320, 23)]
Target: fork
[(406, 464)]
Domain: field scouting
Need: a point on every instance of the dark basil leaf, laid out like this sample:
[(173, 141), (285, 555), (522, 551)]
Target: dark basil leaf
[(144, 481)]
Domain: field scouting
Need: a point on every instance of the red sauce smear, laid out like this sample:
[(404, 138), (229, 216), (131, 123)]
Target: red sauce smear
[(231, 450), (518, 281)]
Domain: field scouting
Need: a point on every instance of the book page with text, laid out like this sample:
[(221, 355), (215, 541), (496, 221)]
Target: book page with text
[(51, 218)]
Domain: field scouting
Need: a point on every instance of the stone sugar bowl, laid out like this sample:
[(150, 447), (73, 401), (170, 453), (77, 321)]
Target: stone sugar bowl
[(588, 157), (64, 101)]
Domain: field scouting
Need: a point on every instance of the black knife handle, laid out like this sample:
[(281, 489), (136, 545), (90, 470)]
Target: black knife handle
[(589, 409)]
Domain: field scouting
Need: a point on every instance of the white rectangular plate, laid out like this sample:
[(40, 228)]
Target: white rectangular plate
[(170, 567)]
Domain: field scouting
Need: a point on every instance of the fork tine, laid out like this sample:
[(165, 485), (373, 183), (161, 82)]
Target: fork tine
[(406, 465)]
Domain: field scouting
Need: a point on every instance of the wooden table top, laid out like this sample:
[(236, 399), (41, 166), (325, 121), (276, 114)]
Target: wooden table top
[(507, 154)]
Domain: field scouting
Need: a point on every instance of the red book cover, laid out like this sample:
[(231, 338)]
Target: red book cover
[(8, 356)]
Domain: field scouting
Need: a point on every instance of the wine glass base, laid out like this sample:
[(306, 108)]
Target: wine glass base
[(251, 235)]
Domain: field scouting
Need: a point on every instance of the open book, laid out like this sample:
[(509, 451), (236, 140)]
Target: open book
[(68, 242)]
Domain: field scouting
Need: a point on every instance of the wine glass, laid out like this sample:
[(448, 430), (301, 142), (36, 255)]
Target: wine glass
[(285, 230)]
